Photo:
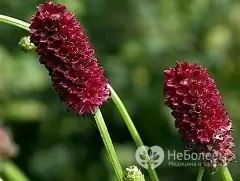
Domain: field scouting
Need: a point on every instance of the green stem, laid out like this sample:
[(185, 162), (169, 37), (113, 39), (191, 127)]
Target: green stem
[(108, 143), (131, 127), (15, 22), (200, 173), (225, 174), (133, 131), (12, 172)]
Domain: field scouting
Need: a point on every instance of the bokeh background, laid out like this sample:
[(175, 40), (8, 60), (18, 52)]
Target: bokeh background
[(134, 40)]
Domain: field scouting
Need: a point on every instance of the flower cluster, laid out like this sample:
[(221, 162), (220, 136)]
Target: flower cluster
[(66, 53), (199, 113)]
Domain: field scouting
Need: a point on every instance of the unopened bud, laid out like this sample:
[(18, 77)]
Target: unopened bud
[(133, 173), (25, 44)]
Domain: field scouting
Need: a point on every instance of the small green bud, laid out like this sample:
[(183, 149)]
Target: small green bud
[(26, 44), (133, 173)]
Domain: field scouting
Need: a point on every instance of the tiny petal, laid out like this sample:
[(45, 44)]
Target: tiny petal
[(199, 114), (66, 53)]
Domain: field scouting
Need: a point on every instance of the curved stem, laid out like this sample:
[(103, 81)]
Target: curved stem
[(128, 121), (132, 129), (200, 173), (15, 22), (108, 143), (225, 174)]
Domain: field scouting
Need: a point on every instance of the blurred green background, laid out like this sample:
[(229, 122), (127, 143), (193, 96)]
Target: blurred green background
[(135, 41)]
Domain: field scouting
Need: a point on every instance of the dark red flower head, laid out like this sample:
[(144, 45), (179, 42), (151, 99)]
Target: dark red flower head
[(199, 114), (65, 51)]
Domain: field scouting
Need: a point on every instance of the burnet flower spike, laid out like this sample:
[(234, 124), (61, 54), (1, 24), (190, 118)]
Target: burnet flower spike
[(65, 51), (200, 117)]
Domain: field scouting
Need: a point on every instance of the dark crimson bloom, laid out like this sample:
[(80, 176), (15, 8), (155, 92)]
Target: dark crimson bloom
[(199, 114), (65, 51)]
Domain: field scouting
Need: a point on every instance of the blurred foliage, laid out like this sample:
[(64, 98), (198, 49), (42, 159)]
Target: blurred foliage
[(135, 40)]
